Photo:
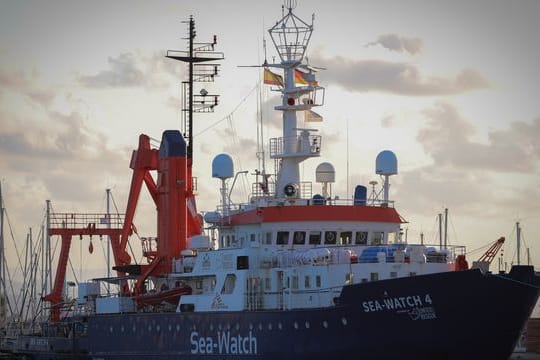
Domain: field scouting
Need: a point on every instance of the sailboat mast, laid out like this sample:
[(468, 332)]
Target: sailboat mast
[(2, 266), (518, 234), (108, 241), (445, 228)]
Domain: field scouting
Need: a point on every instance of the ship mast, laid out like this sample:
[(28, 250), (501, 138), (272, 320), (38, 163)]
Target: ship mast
[(291, 36), (198, 57)]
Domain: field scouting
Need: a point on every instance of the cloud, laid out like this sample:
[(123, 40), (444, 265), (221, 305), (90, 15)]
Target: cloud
[(49, 151), (25, 83), (447, 138), (398, 43), (395, 78), (134, 70)]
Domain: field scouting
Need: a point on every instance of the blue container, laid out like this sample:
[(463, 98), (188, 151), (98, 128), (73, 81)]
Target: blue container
[(360, 195), (319, 200)]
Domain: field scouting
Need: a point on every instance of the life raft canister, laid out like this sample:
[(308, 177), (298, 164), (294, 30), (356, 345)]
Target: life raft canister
[(461, 263)]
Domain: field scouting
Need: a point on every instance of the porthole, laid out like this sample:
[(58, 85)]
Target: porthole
[(344, 321), (279, 326), (269, 326), (211, 327), (296, 325), (260, 327), (307, 324), (325, 324), (237, 326), (158, 328), (219, 327), (134, 328), (170, 327), (122, 328), (111, 329), (178, 328), (250, 326), (149, 328)]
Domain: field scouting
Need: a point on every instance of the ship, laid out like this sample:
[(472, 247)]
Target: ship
[(288, 274)]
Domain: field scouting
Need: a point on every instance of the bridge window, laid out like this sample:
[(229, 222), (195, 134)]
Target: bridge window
[(377, 238), (345, 237), (374, 276), (314, 238), (282, 238), (299, 238), (330, 237), (307, 282), (318, 281), (361, 238)]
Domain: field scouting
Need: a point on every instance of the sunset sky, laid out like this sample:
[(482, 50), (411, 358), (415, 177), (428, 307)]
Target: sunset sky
[(451, 87)]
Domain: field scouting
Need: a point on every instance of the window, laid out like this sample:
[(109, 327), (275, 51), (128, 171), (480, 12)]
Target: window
[(361, 238), (268, 238), (307, 284), (374, 276), (295, 282), (392, 238), (228, 285), (377, 238), (393, 274), (282, 238), (348, 278), (345, 237), (198, 284), (318, 281), (267, 284), (252, 237), (299, 238), (314, 238), (330, 237)]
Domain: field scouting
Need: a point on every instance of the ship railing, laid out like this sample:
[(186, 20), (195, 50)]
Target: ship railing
[(363, 254), (85, 220), (295, 146), (306, 193), (336, 200)]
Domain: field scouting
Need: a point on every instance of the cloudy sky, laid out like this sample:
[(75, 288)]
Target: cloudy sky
[(451, 87)]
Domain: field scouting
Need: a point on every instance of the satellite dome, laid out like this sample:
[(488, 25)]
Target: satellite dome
[(386, 163), (325, 173), (222, 167)]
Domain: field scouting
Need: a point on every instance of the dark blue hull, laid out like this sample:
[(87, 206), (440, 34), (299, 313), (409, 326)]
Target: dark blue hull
[(457, 315)]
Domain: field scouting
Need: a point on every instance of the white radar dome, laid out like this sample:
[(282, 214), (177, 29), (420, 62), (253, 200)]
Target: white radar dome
[(222, 167), (386, 163), (325, 173)]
